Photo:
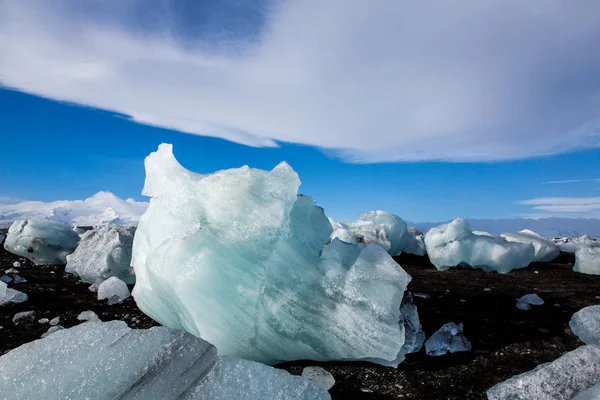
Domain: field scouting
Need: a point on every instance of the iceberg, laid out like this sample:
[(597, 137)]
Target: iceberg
[(108, 360), (587, 256), (43, 242), (238, 258), (103, 252), (113, 289), (449, 338), (102, 208), (560, 379), (585, 323), (453, 244), (545, 250)]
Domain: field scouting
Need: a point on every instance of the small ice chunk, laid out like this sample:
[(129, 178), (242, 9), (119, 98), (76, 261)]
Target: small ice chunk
[(545, 250), (560, 379), (103, 252), (44, 321), (413, 333), (54, 321), (453, 244), (18, 279), (416, 245), (587, 256), (43, 241), (6, 279), (23, 317), (2, 236), (8, 295), (11, 271), (524, 303), (113, 289), (88, 316), (423, 296), (16, 264), (585, 323), (319, 376), (592, 393), (448, 338), (51, 330), (385, 229)]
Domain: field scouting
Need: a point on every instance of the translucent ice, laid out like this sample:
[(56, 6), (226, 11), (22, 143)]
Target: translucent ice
[(51, 330), (113, 289), (97, 360), (545, 250), (384, 229), (585, 323), (560, 379), (239, 259), (416, 244), (8, 295), (592, 393), (448, 338), (587, 256), (88, 316), (453, 244), (524, 303), (413, 334), (103, 252), (43, 242)]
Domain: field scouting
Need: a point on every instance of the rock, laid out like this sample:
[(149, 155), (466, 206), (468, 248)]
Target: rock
[(24, 317), (319, 377)]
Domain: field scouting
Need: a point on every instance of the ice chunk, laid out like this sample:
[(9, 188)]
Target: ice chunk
[(113, 289), (592, 393), (8, 295), (560, 379), (239, 259), (524, 303), (5, 279), (23, 317), (384, 229), (43, 242), (416, 244), (448, 338), (51, 330), (413, 334), (88, 316), (103, 252), (587, 256), (2, 235), (585, 323), (453, 244), (345, 235), (43, 321), (545, 250), (96, 360), (18, 279), (54, 321), (16, 264), (319, 376)]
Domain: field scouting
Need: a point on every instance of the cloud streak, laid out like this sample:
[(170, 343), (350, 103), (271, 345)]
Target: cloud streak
[(588, 207), (370, 81)]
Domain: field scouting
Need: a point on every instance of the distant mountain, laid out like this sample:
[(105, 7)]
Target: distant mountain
[(547, 227)]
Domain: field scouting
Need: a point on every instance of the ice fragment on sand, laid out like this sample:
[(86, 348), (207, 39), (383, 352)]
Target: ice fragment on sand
[(238, 258), (453, 244), (319, 376), (43, 242), (113, 289), (587, 256), (103, 252), (8, 295), (560, 379), (88, 316), (108, 360), (44, 321), (448, 338), (545, 249), (585, 323), (524, 303), (52, 330), (23, 317), (54, 321)]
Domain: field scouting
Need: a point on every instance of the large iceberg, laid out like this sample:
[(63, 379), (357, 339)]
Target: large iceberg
[(108, 360), (585, 323), (43, 242), (103, 252), (587, 256), (101, 208), (238, 258), (545, 250), (560, 379), (453, 244)]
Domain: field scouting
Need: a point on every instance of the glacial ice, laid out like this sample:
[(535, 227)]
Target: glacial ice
[(108, 360), (238, 258), (587, 256), (416, 244), (319, 376), (88, 316), (585, 323), (413, 334), (453, 244), (592, 393), (524, 303), (560, 379), (545, 250), (113, 289), (103, 252), (449, 338), (385, 229), (51, 330), (43, 242), (8, 295)]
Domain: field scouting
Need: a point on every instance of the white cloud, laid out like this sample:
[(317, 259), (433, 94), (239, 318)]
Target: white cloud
[(560, 182), (587, 207), (372, 81)]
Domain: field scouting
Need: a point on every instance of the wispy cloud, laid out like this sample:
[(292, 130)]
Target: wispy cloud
[(560, 206), (372, 81), (570, 181)]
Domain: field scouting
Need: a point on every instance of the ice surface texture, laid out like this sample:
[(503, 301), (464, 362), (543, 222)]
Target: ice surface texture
[(103, 252), (585, 323), (560, 379), (592, 393), (108, 360), (587, 256), (545, 250), (239, 259), (113, 289), (449, 338), (453, 244), (43, 242), (319, 376)]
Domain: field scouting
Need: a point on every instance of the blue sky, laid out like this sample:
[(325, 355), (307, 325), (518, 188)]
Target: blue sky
[(452, 115)]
